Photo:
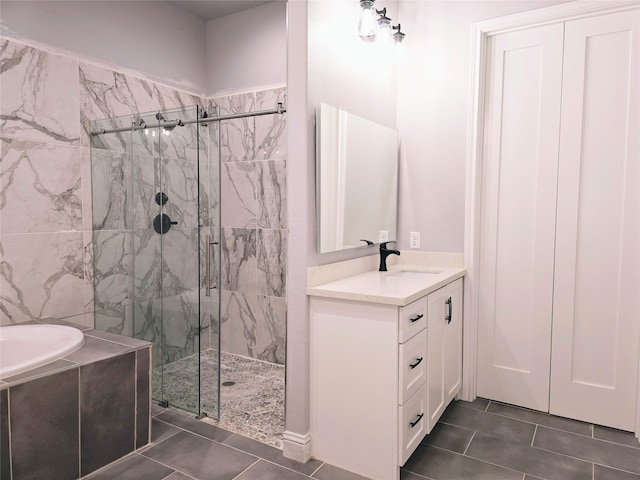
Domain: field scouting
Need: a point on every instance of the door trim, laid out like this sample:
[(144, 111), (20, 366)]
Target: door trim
[(480, 32)]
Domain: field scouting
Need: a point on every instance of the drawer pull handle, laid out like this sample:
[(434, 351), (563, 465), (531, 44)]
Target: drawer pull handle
[(413, 424), (449, 303), (416, 318), (418, 362)]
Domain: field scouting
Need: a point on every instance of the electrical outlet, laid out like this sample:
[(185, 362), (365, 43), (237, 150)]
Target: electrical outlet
[(383, 236), (414, 239)]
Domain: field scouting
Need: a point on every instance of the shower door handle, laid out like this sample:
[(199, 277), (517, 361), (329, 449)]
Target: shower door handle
[(207, 280)]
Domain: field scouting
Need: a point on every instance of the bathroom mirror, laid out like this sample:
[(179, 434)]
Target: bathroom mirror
[(356, 180)]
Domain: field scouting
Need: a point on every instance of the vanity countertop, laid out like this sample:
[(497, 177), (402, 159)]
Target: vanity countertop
[(401, 285)]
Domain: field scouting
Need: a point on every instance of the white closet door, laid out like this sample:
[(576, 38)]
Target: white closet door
[(522, 105), (596, 308)]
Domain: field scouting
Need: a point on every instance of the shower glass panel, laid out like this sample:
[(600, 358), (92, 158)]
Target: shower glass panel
[(155, 198)]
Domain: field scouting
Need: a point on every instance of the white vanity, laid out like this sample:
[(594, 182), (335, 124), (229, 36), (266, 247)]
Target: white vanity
[(386, 360)]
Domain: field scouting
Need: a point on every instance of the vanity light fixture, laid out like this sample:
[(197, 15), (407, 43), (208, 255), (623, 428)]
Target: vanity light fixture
[(367, 25), (384, 26), (375, 25), (398, 36)]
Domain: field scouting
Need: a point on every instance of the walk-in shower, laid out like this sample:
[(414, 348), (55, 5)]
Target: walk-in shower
[(156, 201)]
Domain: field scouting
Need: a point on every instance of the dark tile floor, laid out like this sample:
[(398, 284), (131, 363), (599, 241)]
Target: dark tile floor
[(481, 440)]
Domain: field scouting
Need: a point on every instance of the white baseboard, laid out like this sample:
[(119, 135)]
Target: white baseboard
[(296, 446)]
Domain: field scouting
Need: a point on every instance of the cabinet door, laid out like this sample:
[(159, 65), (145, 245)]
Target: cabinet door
[(444, 348), (517, 224), (596, 307), (452, 368)]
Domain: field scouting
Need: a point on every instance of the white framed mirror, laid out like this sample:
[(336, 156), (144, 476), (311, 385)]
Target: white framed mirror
[(356, 180)]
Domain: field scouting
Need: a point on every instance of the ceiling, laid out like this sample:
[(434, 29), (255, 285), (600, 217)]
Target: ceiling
[(210, 9)]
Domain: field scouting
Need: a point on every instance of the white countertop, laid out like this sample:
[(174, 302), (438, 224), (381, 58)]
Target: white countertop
[(390, 288)]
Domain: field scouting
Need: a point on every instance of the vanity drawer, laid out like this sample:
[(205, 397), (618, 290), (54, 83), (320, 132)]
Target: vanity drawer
[(413, 318), (413, 424), (412, 365)]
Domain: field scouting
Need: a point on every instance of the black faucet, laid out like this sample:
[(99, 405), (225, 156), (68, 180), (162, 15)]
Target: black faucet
[(384, 253)]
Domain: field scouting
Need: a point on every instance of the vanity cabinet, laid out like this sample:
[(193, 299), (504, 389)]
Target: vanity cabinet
[(375, 368)]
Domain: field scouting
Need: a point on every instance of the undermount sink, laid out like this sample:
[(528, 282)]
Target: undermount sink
[(414, 273)]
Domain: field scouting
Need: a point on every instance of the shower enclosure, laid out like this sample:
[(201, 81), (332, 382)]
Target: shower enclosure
[(155, 202)]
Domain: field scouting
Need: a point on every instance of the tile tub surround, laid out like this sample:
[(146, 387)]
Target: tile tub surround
[(96, 410)]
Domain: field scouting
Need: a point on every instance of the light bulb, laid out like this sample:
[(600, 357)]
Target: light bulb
[(385, 33), (368, 25)]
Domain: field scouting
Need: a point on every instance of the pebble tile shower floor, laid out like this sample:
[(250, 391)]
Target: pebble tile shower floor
[(253, 405), (481, 440)]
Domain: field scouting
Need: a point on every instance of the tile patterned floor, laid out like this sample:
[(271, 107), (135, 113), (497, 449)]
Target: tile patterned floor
[(252, 406), (481, 440)]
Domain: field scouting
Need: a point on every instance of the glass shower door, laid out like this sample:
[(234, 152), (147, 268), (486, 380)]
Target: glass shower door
[(153, 203)]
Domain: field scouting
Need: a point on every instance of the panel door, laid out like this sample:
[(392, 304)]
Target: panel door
[(596, 309), (519, 174)]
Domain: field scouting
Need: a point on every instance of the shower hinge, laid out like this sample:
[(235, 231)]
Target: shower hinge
[(163, 403)]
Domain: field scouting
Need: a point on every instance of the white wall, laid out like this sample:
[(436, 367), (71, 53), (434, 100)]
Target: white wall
[(433, 108), (327, 62), (247, 50), (346, 72), (156, 39)]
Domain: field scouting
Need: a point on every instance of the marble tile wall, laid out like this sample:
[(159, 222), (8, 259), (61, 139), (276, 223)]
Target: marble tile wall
[(254, 229), (45, 206), (56, 241)]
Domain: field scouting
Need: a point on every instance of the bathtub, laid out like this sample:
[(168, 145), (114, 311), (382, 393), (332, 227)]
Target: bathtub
[(24, 347)]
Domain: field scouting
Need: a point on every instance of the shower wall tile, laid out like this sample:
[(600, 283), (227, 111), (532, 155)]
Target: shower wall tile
[(87, 253), (146, 265), (41, 186), (180, 260), (253, 326), (238, 320), (272, 194), (271, 138), (237, 140), (272, 262), (112, 250), (106, 94), (110, 177), (272, 329), (238, 193), (38, 95), (239, 103), (183, 142), (180, 183), (145, 320), (239, 264), (42, 276), (117, 319), (211, 174), (181, 325), (145, 186)]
